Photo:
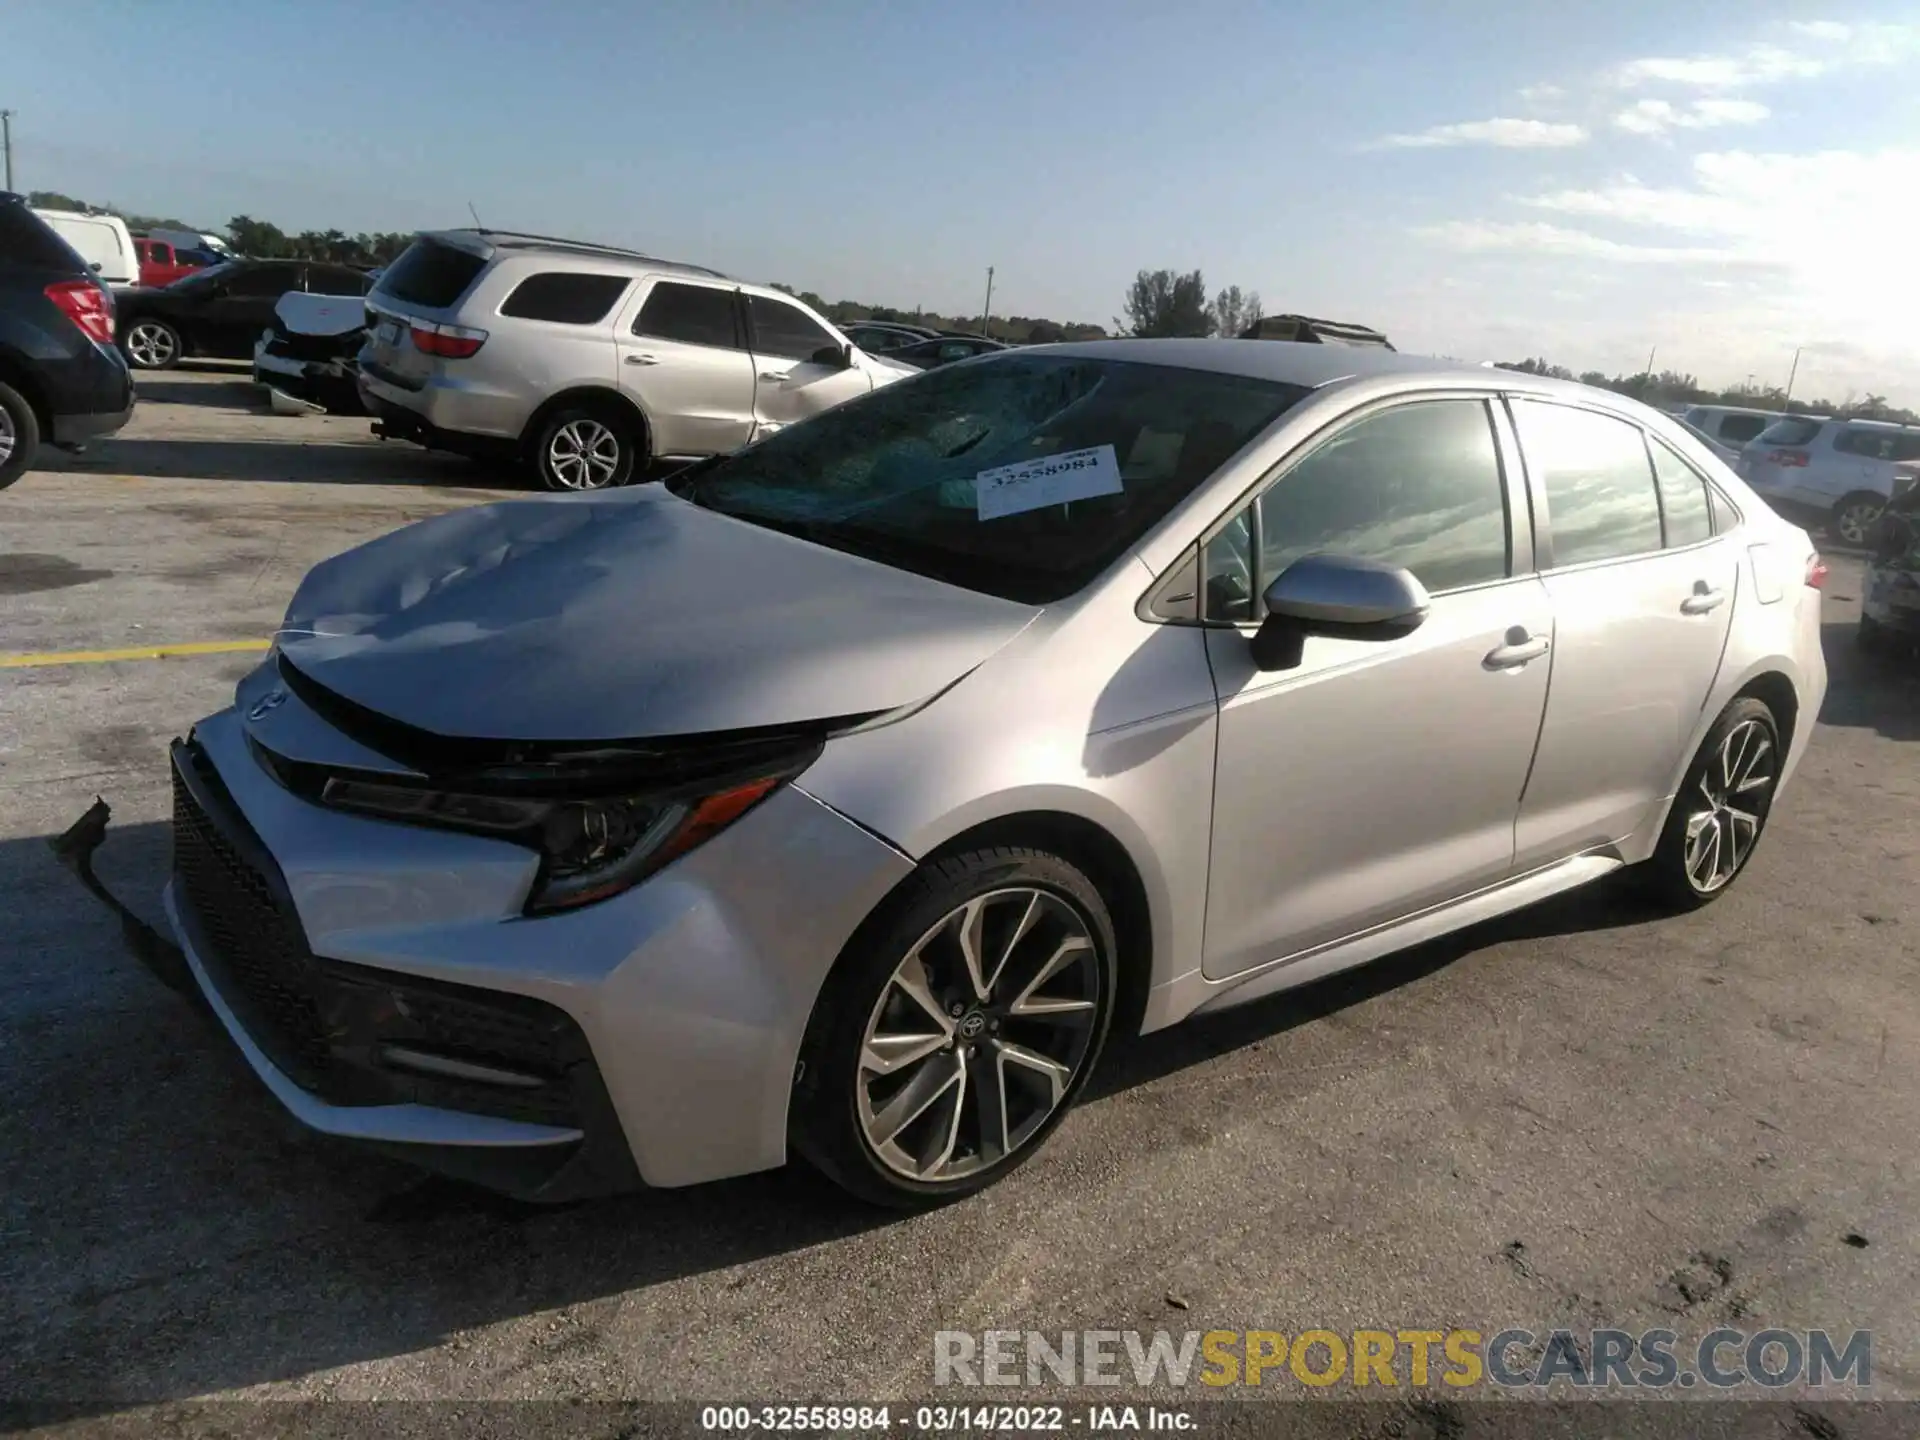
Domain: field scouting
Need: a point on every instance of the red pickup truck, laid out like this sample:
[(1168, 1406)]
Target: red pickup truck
[(161, 264)]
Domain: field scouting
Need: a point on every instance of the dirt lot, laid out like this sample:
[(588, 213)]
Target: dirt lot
[(1587, 1115)]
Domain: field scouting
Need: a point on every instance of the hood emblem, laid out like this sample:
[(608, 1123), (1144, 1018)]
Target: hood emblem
[(267, 704)]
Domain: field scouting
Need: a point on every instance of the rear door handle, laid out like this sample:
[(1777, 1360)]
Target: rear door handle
[(643, 359), (1703, 599), (1519, 649)]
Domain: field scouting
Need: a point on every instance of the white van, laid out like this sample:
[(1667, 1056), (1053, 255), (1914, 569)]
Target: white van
[(103, 242)]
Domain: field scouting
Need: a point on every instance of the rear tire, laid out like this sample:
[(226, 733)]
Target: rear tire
[(1721, 809), (915, 1088), (1852, 520), (586, 447), (151, 344), (19, 435)]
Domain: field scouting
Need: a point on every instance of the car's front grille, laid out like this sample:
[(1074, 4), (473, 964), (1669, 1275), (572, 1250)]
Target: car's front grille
[(326, 1025), (255, 947)]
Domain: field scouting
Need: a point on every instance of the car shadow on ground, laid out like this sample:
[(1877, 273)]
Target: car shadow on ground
[(236, 393), (1879, 692), (350, 460)]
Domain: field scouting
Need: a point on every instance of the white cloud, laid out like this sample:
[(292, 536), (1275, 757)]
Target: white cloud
[(1534, 238), (1656, 117), (1506, 134), (1542, 94), (1817, 47)]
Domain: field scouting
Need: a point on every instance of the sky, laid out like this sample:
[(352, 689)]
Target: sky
[(1716, 184)]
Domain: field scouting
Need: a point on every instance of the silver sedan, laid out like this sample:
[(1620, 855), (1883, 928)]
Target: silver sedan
[(849, 795)]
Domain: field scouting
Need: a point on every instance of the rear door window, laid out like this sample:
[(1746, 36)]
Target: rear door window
[(1685, 509), (1601, 500), (273, 280), (785, 330), (335, 280), (691, 314), (432, 275), (1739, 429), (565, 298)]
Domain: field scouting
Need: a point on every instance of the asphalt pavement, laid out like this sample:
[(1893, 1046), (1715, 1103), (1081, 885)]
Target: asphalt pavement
[(1586, 1115)]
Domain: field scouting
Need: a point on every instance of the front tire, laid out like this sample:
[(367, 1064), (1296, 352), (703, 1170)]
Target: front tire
[(958, 1029), (1852, 520), (19, 435), (586, 448), (152, 345), (1721, 808)]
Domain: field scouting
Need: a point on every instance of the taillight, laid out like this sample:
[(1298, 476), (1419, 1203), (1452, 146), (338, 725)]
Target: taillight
[(85, 304), (1816, 572), (1795, 459), (449, 342)]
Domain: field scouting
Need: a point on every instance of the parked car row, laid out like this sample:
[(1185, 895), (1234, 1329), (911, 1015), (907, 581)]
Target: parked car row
[(1836, 473), (62, 381), (220, 312)]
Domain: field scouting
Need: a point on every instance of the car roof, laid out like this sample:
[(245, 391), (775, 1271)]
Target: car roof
[(1293, 362), (512, 242)]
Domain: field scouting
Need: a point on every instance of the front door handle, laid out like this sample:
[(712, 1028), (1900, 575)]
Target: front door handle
[(1519, 649), (775, 374), (1703, 599), (643, 359)]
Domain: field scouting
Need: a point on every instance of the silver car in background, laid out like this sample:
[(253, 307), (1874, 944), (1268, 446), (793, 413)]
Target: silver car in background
[(589, 363), (1836, 474), (845, 795)]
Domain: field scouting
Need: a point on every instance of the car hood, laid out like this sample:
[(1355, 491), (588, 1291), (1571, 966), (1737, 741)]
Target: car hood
[(626, 616)]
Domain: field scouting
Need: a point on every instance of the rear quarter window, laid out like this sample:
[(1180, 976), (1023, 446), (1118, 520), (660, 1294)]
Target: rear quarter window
[(26, 239), (1790, 432), (564, 298), (431, 274)]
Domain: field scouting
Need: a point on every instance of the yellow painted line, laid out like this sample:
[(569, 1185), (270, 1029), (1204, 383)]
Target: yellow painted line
[(138, 652)]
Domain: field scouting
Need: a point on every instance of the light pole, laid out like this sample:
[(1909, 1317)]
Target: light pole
[(6, 142), (986, 311), (1787, 403)]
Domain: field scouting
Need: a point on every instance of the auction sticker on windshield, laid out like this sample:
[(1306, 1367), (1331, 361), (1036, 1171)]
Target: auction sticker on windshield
[(1050, 480)]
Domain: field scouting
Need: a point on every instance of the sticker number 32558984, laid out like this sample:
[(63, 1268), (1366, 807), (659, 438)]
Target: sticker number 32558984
[(1050, 480)]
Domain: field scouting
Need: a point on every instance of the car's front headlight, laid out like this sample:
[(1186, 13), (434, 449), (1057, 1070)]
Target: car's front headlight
[(590, 849)]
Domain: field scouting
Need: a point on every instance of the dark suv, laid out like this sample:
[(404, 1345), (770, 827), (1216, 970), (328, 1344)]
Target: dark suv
[(61, 379)]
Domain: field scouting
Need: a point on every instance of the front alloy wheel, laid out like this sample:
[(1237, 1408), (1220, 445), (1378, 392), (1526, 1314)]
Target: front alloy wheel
[(1853, 520), (151, 345), (958, 1029), (976, 1039)]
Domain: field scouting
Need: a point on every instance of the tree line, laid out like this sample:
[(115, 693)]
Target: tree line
[(1670, 389)]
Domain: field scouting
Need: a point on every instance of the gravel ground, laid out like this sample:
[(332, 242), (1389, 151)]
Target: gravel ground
[(1584, 1115)]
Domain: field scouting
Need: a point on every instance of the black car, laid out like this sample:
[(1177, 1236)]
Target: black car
[(1890, 589), (883, 336), (61, 380), (220, 312), (943, 350)]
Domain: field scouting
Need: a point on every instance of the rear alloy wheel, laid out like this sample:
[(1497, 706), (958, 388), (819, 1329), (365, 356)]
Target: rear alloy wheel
[(152, 345), (585, 450), (1722, 807), (19, 435), (1852, 519), (945, 1052)]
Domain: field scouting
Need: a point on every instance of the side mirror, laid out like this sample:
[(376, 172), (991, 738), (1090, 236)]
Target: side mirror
[(1340, 597), (840, 357)]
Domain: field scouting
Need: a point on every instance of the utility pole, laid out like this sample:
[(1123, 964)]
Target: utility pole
[(986, 311), (1652, 350), (1787, 403), (6, 142)]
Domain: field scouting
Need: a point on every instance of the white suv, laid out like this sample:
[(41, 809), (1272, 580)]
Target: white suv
[(591, 363), (1838, 472)]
